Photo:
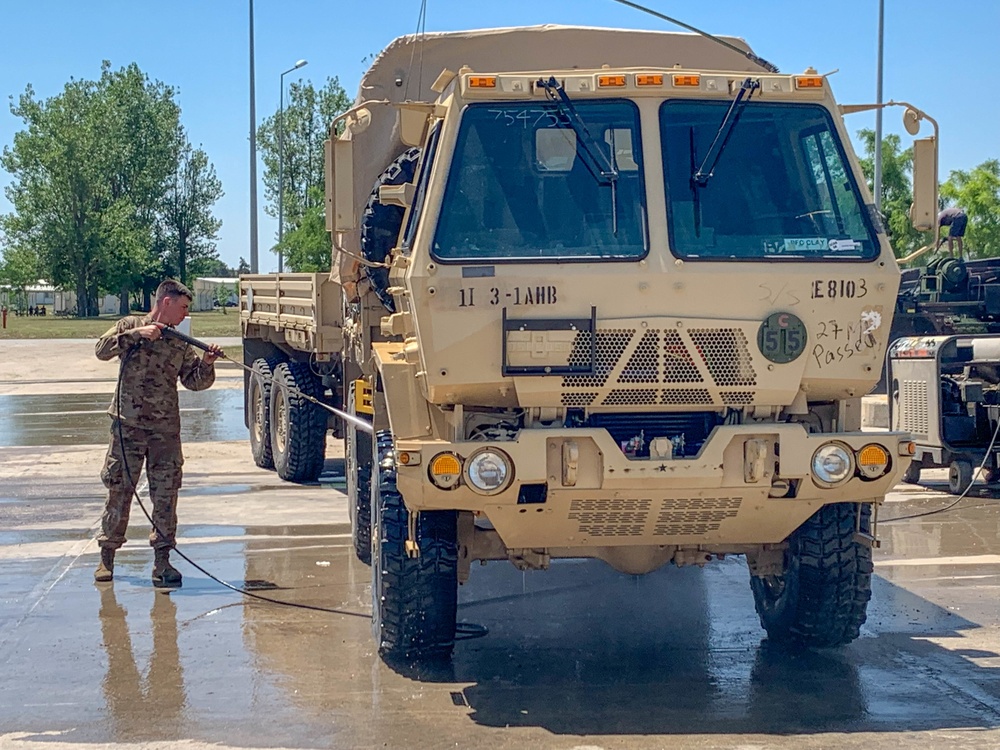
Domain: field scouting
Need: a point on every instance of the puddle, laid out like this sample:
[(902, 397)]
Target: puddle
[(81, 418)]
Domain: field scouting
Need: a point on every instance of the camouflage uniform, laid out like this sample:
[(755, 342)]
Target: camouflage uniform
[(150, 426)]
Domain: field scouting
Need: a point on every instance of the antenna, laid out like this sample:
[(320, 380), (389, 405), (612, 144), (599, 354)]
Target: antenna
[(769, 67)]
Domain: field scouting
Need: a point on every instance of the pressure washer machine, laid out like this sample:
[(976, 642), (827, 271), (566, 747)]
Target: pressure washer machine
[(945, 391)]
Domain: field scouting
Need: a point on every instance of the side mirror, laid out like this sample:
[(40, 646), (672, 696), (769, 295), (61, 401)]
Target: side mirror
[(339, 157), (924, 211)]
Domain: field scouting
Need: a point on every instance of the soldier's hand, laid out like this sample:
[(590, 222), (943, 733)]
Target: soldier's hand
[(213, 353), (150, 332)]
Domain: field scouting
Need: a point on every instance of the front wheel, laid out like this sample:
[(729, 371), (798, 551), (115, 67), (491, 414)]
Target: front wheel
[(358, 472), (912, 473), (415, 599), (821, 598)]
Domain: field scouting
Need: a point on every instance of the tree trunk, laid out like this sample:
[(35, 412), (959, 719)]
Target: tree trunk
[(81, 297), (93, 299), (123, 306), (147, 299)]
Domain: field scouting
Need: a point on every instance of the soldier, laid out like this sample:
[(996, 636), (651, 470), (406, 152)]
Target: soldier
[(147, 427), (956, 219)]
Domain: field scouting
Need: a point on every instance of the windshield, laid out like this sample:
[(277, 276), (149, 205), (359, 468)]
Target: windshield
[(782, 189), (523, 186)]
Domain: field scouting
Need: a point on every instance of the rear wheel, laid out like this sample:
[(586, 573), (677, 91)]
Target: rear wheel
[(959, 476), (415, 599), (298, 426), (912, 473), (259, 404), (821, 598)]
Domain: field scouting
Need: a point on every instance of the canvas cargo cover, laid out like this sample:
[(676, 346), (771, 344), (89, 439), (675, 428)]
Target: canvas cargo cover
[(406, 69)]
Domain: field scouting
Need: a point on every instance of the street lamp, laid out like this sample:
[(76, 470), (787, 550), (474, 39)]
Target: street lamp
[(878, 113), (253, 157), (281, 162)]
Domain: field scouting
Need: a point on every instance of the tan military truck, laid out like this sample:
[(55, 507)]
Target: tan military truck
[(601, 293)]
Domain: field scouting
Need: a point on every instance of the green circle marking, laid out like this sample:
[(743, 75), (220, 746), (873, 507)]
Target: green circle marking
[(782, 337)]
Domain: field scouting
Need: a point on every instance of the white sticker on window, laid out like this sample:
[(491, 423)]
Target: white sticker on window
[(805, 244), (844, 245)]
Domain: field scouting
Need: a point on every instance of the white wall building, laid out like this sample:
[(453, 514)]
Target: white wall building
[(206, 292)]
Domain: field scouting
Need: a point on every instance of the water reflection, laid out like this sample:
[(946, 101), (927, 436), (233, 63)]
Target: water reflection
[(150, 706), (81, 418)]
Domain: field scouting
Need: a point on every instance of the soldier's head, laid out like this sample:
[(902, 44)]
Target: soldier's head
[(172, 302)]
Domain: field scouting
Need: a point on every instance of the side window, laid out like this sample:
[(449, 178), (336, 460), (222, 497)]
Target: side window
[(426, 163), (833, 213)]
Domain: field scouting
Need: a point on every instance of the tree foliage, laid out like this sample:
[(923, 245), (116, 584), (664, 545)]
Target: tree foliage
[(307, 115), (977, 192), (93, 169)]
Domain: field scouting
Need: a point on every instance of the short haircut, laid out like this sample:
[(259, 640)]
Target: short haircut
[(173, 288)]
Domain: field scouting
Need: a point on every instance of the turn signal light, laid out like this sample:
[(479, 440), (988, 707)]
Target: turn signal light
[(873, 461), (482, 82), (687, 80), (603, 81), (809, 82), (444, 470)]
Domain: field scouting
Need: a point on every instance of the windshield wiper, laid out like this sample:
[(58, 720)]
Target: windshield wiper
[(707, 169), (603, 169)]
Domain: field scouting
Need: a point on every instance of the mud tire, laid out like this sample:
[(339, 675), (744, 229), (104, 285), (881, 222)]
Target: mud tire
[(259, 387), (381, 223), (415, 600), (912, 473), (298, 427), (821, 599), (358, 471)]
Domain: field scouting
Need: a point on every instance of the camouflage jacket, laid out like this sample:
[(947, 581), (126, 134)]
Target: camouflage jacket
[(149, 384)]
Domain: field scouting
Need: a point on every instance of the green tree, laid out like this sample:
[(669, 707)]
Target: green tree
[(190, 229), (307, 117), (18, 270), (306, 244), (977, 192), (897, 190)]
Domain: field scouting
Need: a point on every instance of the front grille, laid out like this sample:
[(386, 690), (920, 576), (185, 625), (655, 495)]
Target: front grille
[(711, 367), (629, 517), (694, 426)]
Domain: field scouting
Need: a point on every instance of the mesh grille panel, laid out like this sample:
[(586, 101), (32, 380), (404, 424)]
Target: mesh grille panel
[(913, 406), (639, 397), (610, 346), (644, 364), (687, 396), (696, 515), (678, 366), (724, 352), (578, 399), (616, 517)]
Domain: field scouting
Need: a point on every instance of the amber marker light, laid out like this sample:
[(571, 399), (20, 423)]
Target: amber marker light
[(649, 79), (482, 82), (687, 80), (606, 81), (444, 470), (809, 82), (873, 461)]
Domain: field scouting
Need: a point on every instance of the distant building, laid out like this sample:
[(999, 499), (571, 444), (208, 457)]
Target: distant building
[(206, 292)]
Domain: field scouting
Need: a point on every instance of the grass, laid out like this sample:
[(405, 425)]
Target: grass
[(205, 325)]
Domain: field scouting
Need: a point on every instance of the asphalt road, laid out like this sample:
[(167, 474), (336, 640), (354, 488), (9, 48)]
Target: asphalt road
[(576, 657)]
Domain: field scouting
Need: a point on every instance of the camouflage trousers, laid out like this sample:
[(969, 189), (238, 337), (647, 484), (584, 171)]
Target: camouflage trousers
[(161, 453)]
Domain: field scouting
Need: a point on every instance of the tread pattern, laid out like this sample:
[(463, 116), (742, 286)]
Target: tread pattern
[(822, 598), (380, 224), (306, 450), (261, 451), (415, 599)]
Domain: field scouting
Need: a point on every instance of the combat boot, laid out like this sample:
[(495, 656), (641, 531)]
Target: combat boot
[(165, 575), (105, 571)]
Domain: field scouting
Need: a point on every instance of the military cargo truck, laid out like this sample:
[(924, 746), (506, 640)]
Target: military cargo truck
[(601, 294)]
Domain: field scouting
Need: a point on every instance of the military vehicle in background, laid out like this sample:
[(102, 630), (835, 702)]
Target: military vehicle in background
[(601, 294)]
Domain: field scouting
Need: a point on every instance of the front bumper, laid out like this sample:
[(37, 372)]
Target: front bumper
[(723, 497)]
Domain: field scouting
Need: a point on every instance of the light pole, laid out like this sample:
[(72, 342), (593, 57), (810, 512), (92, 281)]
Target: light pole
[(878, 112), (253, 157), (281, 162)]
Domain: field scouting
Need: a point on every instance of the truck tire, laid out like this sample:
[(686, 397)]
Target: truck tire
[(380, 224), (414, 600), (821, 599), (298, 427), (912, 473), (959, 476), (358, 473), (259, 405)]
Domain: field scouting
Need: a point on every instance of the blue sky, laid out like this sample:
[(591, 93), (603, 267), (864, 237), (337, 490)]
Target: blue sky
[(940, 56)]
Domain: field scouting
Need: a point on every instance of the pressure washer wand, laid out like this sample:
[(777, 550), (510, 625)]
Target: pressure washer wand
[(361, 424)]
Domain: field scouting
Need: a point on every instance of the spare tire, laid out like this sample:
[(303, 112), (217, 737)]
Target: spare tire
[(380, 224)]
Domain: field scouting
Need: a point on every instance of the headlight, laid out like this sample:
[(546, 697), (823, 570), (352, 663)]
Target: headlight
[(489, 471), (832, 464)]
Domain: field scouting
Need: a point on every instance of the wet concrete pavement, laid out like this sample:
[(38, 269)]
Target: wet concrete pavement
[(576, 657)]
